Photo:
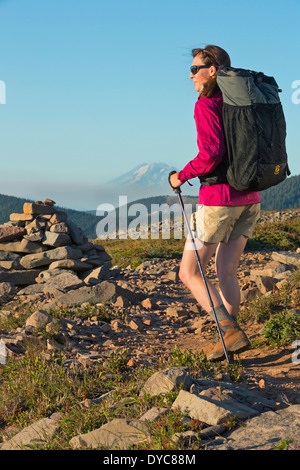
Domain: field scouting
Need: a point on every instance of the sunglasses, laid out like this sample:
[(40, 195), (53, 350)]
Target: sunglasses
[(195, 68)]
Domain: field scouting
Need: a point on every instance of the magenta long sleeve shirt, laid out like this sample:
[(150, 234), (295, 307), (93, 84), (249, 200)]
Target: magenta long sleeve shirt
[(211, 145)]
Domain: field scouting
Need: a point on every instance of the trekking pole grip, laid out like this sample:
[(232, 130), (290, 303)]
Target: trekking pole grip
[(176, 190)]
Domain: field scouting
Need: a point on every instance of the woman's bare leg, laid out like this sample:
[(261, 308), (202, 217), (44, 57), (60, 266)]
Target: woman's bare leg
[(190, 275), (228, 256), (227, 259)]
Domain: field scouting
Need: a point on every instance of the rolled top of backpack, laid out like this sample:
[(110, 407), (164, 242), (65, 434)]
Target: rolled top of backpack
[(241, 87)]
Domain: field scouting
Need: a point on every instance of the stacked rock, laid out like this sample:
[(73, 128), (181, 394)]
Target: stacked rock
[(41, 243)]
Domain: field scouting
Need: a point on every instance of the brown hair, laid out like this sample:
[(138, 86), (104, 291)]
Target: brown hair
[(212, 55)]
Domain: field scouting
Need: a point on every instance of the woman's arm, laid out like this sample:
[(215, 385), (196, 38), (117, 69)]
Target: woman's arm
[(210, 140)]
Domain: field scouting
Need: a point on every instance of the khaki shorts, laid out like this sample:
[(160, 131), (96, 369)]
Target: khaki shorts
[(215, 224)]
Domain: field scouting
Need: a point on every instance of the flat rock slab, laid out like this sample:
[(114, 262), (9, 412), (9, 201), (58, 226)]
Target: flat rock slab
[(11, 233), (20, 217), (96, 275), (19, 277), (104, 292), (211, 411), (9, 256), (266, 431), (45, 258), (287, 257), (32, 208), (118, 433), (73, 264), (36, 434), (56, 239), (61, 283), (249, 397), (164, 381), (23, 246)]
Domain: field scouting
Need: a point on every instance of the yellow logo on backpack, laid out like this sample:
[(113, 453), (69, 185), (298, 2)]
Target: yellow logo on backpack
[(277, 169)]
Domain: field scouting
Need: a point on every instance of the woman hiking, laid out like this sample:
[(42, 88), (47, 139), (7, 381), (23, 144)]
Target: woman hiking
[(225, 217)]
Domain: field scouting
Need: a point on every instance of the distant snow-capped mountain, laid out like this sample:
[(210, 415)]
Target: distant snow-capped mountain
[(146, 174)]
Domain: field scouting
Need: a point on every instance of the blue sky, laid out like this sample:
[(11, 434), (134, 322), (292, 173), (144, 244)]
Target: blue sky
[(94, 88)]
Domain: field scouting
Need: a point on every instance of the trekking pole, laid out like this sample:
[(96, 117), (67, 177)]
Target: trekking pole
[(178, 192)]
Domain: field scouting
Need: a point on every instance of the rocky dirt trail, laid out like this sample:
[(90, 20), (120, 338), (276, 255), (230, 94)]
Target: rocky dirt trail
[(180, 322), (152, 314)]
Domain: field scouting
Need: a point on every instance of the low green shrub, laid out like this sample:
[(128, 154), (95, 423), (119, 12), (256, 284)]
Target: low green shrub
[(282, 329)]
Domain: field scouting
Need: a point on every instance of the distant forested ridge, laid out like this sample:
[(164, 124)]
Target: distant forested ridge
[(285, 195)]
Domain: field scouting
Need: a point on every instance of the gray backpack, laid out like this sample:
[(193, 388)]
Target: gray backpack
[(255, 131)]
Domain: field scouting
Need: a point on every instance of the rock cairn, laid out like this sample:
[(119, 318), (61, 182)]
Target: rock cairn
[(42, 251)]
